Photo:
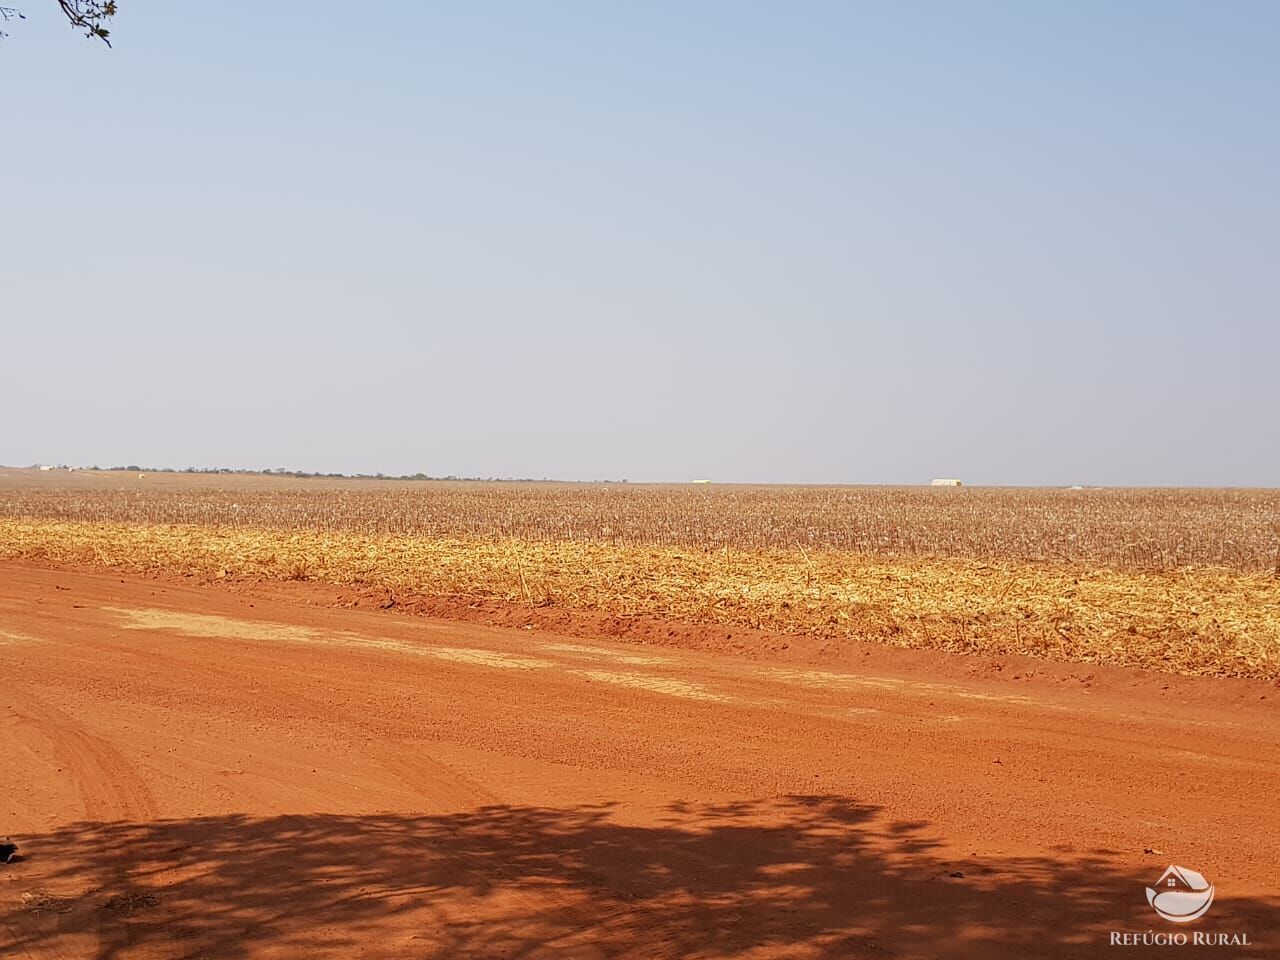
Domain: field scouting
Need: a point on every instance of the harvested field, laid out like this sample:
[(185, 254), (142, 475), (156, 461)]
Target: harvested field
[(1157, 529), (1177, 581)]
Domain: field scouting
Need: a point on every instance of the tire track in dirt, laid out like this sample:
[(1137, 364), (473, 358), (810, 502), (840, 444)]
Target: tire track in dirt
[(108, 785), (109, 788), (436, 781)]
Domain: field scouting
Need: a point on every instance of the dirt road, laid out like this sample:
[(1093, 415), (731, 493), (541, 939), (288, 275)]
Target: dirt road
[(192, 772)]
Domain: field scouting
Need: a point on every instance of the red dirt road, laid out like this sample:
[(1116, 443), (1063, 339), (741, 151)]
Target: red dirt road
[(191, 772)]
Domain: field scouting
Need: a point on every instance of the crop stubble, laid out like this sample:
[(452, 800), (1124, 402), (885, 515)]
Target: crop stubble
[(1177, 580)]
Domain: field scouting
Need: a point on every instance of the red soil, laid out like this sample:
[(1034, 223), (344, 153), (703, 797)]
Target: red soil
[(254, 771)]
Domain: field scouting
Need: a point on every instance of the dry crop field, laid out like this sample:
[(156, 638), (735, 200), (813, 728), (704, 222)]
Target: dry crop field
[(1185, 581)]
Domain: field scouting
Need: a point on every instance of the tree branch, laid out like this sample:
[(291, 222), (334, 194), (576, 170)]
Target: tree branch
[(7, 14), (91, 16)]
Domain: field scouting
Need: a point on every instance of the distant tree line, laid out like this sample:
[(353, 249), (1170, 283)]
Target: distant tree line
[(316, 475), (313, 475)]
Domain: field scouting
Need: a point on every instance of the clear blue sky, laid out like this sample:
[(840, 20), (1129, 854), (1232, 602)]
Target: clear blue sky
[(830, 242)]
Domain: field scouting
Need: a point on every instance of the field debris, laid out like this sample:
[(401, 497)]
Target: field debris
[(1196, 621)]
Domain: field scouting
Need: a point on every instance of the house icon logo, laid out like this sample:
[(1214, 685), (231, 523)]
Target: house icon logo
[(1181, 895)]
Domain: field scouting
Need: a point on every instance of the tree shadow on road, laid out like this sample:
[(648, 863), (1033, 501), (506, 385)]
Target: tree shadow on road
[(813, 877)]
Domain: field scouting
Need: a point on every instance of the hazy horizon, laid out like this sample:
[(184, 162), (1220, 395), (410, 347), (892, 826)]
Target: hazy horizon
[(286, 473), (832, 243)]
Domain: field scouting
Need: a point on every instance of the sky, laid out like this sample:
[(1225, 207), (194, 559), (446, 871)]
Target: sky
[(796, 242)]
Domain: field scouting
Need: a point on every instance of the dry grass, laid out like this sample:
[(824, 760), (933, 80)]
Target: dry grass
[(1125, 529), (1189, 620), (1179, 580)]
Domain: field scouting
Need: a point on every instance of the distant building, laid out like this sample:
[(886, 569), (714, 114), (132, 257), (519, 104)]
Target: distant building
[(946, 482)]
